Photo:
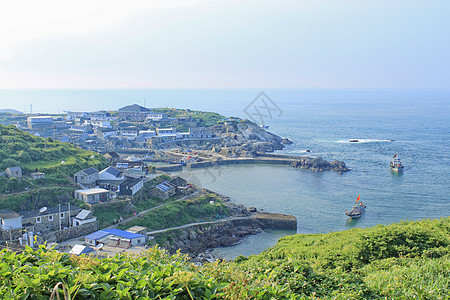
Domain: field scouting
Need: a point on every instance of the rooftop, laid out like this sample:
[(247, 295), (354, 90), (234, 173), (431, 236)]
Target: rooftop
[(133, 108), (83, 214), (123, 233), (47, 211), (92, 191), (14, 169), (111, 170), (89, 171), (97, 235), (165, 186), (135, 229), (8, 214), (131, 182)]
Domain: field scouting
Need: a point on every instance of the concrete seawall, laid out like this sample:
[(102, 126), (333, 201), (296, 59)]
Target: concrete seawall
[(277, 221), (226, 162)]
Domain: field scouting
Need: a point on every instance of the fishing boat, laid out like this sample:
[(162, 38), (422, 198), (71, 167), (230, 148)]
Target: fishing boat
[(396, 164), (357, 209)]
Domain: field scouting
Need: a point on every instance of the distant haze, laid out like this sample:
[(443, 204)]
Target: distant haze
[(229, 102), (112, 44)]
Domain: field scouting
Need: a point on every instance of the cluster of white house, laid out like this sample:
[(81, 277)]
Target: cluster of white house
[(101, 186), (158, 135), (96, 182)]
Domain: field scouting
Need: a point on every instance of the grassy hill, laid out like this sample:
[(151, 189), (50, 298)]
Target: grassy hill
[(59, 161), (408, 260)]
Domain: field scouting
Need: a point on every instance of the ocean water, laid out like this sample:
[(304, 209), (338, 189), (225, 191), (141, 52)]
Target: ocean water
[(414, 124)]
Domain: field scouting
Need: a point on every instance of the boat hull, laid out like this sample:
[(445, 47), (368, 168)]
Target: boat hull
[(355, 215), (397, 169)]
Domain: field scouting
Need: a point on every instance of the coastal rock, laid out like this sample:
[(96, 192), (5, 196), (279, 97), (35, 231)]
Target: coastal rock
[(244, 139), (286, 141), (318, 164)]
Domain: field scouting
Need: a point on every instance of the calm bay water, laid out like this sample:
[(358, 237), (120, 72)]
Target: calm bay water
[(323, 122)]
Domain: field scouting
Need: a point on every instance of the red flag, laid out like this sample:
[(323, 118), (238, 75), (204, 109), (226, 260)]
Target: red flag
[(358, 198), (395, 155)]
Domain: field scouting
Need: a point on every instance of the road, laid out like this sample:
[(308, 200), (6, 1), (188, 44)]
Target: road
[(199, 223)]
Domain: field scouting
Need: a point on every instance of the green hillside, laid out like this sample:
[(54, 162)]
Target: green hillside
[(59, 161), (409, 260)]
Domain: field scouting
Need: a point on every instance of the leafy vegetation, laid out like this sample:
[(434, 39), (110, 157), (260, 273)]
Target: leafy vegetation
[(46, 196), (206, 118), (59, 161), (400, 261), (19, 148), (299, 267), (106, 214)]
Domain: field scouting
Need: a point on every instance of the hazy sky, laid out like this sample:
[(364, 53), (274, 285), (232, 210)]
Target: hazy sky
[(225, 44)]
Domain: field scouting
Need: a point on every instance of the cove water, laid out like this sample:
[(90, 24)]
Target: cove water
[(413, 124)]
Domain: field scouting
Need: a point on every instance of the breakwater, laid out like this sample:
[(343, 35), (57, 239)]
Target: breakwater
[(226, 162)]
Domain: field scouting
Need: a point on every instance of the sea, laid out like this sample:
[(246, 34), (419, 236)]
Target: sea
[(412, 124)]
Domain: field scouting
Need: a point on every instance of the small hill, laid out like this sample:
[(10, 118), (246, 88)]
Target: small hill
[(409, 260), (10, 111), (59, 161)]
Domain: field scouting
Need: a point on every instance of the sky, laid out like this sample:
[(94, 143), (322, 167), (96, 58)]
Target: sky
[(197, 44)]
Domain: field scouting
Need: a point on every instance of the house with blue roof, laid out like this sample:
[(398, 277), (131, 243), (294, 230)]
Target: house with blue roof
[(165, 190), (115, 238)]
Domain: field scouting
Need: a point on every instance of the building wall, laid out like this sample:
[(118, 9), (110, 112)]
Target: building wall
[(86, 180), (14, 223), (70, 233), (16, 174), (46, 222), (137, 187)]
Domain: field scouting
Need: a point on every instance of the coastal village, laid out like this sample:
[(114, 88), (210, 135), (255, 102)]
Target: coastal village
[(140, 147)]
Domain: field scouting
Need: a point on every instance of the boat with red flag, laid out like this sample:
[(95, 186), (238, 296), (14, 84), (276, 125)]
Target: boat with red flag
[(396, 164), (357, 209)]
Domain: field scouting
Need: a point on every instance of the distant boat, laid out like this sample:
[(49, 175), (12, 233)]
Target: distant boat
[(357, 209), (396, 164)]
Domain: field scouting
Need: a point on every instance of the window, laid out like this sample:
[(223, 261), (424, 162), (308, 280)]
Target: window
[(38, 220), (138, 241), (62, 216), (50, 217)]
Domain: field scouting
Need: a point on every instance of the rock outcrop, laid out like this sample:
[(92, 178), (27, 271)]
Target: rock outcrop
[(318, 164), (245, 139)]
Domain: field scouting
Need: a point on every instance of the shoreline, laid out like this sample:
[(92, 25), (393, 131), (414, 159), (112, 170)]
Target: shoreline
[(199, 239), (316, 164)]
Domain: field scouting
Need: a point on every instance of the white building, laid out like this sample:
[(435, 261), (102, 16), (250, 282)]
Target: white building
[(40, 122), (104, 133), (130, 132), (165, 130), (85, 216), (98, 123), (110, 175), (146, 134), (10, 220), (156, 117), (92, 196)]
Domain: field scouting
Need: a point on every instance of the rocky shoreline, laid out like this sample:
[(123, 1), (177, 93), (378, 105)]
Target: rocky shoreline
[(199, 240), (318, 164)]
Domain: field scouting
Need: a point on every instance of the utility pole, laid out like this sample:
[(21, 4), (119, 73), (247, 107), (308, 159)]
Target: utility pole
[(59, 210), (69, 214), (10, 234)]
